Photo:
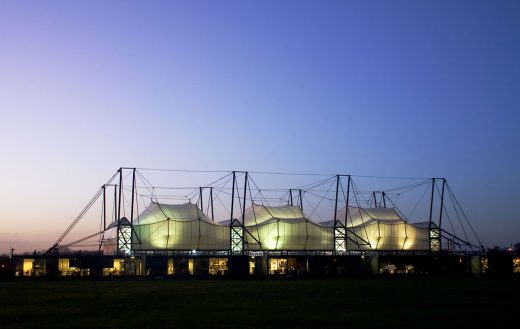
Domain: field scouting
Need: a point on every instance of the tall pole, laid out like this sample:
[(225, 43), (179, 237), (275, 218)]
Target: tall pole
[(133, 197), (430, 225), (115, 219), (115, 202), (232, 198), (290, 198), (200, 197), (120, 193), (119, 206), (244, 204), (384, 198), (348, 196), (211, 200), (301, 200), (336, 201), (244, 211), (132, 213), (431, 202), (231, 228), (337, 233), (442, 206), (104, 208)]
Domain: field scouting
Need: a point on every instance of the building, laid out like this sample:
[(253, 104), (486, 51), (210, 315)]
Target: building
[(254, 237)]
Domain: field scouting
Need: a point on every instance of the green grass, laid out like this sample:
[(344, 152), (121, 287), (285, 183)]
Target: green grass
[(341, 303)]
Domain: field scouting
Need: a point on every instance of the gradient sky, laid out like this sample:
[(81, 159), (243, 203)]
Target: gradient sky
[(385, 88)]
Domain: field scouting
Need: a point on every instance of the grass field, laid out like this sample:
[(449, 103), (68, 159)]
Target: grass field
[(333, 303)]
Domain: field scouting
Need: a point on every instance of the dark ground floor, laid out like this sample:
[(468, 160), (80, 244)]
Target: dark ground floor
[(376, 301), (263, 265)]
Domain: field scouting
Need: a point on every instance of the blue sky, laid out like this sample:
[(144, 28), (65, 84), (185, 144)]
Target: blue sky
[(385, 88)]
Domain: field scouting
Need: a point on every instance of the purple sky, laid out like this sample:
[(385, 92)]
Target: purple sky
[(386, 88)]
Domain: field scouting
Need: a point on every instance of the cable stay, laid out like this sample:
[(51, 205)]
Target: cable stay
[(76, 220), (449, 235), (318, 197), (452, 195), (70, 244)]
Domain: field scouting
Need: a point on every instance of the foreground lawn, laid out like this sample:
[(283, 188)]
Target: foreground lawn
[(342, 303)]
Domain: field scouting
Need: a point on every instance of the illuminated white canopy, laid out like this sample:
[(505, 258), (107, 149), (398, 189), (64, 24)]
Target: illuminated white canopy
[(178, 227), (361, 216), (284, 228), (380, 229), (186, 227), (157, 212), (258, 214)]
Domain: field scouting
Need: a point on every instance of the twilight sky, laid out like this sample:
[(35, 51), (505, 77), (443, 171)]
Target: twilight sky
[(385, 88)]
